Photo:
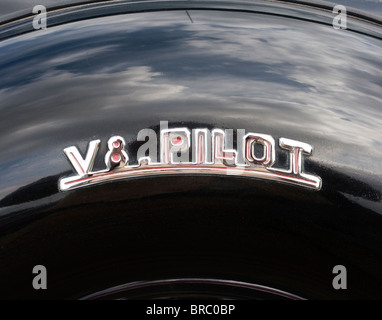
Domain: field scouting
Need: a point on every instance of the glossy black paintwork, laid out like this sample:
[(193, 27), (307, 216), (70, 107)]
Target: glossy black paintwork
[(117, 75), (11, 9)]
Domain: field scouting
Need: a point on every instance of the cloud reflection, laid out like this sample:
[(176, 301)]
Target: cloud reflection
[(117, 75)]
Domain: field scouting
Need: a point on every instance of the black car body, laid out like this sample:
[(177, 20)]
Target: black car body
[(113, 68)]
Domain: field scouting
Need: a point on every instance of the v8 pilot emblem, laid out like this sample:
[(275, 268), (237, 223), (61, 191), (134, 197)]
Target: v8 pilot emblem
[(210, 155)]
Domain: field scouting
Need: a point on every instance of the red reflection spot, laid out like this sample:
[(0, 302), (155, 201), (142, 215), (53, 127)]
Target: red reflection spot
[(116, 158), (177, 141)]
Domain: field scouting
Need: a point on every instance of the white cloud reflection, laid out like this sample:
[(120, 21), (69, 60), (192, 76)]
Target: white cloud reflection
[(253, 73)]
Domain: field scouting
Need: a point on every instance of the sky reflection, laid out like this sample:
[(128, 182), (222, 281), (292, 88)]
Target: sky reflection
[(74, 82)]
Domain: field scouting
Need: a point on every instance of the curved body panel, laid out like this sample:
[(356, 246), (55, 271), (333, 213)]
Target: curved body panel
[(212, 68)]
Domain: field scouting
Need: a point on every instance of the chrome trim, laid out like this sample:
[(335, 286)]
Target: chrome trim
[(210, 156)]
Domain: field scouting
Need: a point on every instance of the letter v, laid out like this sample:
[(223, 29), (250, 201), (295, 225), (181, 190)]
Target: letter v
[(83, 166)]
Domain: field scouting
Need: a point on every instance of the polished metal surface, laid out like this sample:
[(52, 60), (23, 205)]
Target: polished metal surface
[(289, 75), (317, 84), (177, 140), (11, 9)]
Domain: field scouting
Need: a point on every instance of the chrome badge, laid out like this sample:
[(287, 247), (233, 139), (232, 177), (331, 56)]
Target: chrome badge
[(209, 155)]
